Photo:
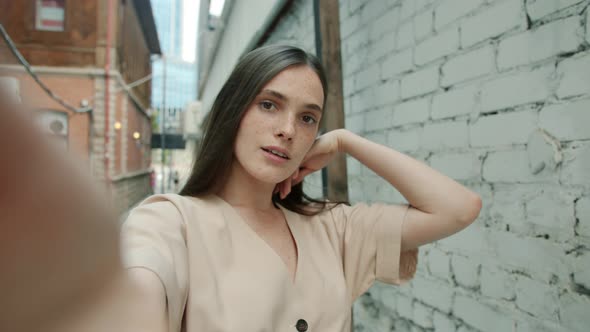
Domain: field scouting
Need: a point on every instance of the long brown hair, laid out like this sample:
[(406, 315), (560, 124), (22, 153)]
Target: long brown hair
[(216, 152)]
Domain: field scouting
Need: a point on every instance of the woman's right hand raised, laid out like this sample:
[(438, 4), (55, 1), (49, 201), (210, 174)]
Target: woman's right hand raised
[(319, 155)]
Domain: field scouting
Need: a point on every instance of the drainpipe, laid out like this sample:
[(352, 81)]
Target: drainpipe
[(107, 69)]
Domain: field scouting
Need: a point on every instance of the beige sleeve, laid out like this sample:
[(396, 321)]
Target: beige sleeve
[(371, 245), (153, 237)]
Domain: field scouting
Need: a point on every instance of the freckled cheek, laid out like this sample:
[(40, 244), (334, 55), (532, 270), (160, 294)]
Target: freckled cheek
[(263, 125), (307, 143)]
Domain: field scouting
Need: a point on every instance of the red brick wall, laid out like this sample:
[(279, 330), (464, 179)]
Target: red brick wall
[(138, 151), (74, 47), (118, 116), (70, 88), (132, 52)]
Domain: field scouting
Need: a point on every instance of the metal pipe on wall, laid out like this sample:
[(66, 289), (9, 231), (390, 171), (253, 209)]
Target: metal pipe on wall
[(107, 97)]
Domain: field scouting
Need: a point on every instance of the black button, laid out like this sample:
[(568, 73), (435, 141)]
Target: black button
[(301, 325)]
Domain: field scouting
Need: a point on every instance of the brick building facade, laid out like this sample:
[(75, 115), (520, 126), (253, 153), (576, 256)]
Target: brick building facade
[(66, 43)]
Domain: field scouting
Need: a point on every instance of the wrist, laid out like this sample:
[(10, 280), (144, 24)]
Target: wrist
[(343, 137)]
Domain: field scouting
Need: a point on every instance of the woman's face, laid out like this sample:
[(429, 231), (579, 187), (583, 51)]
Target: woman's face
[(280, 125)]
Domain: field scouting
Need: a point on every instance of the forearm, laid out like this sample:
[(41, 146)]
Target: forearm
[(120, 306), (425, 188), (59, 237)]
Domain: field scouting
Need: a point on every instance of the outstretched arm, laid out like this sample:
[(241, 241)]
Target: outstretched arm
[(59, 243), (439, 205)]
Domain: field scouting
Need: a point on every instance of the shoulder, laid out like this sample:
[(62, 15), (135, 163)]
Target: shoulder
[(167, 210), (172, 204), (361, 211)]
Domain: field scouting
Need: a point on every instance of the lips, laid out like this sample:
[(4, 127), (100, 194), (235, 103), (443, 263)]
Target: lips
[(276, 151)]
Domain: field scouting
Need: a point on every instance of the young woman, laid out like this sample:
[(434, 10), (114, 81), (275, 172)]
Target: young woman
[(242, 248)]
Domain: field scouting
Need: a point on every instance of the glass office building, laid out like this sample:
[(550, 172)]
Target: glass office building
[(181, 76)]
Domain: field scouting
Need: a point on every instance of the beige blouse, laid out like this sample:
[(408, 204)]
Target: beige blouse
[(219, 275)]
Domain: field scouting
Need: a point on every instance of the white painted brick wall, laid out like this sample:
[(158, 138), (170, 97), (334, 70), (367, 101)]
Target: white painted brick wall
[(536, 298), (454, 102), (495, 168), (383, 25), (408, 9), (373, 10), (567, 121), (411, 112), (551, 39), (437, 46), (378, 119), (465, 271), (406, 140), (516, 129), (445, 135), (471, 241), (434, 293), (583, 214), (353, 166), (575, 167), (361, 101), (439, 264), (367, 77), (442, 323), (581, 270), (355, 122), (387, 92), (536, 326), (405, 307), (352, 7), (420, 82), (457, 165), (357, 40), (481, 315), (405, 35), (423, 25), (559, 222), (451, 10), (476, 63), (574, 311), (497, 284), (517, 89), (379, 51), (349, 24), (423, 315), (465, 328), (536, 256), (574, 74), (537, 9), (493, 21), (397, 64)]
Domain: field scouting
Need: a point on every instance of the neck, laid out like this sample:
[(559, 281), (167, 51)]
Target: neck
[(243, 190)]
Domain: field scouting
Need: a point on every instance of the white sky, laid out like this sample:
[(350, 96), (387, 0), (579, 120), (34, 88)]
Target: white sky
[(216, 7), (190, 18)]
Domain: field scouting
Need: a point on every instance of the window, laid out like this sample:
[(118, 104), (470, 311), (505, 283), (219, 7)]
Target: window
[(50, 15)]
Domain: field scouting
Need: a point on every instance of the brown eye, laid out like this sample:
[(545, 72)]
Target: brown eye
[(309, 119), (267, 105)]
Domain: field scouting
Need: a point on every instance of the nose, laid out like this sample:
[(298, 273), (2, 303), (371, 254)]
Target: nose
[(286, 128)]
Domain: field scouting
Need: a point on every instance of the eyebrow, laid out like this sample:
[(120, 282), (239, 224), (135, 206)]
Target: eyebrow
[(282, 97)]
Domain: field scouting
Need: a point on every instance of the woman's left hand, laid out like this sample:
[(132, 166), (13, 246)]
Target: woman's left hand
[(319, 155)]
